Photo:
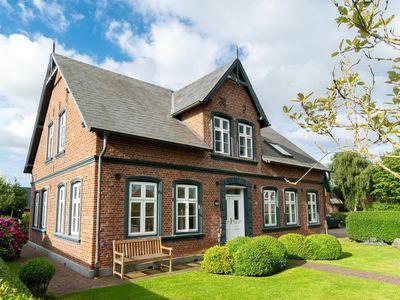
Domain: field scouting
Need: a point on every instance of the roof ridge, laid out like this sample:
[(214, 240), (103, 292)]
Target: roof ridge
[(113, 72)]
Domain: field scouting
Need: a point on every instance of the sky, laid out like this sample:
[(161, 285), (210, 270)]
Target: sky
[(284, 46)]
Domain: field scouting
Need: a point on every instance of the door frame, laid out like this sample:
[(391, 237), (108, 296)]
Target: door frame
[(241, 199), (247, 198)]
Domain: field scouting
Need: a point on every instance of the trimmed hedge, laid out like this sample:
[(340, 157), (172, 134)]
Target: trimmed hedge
[(10, 286), (295, 245), (374, 225), (218, 260), (236, 243), (323, 247), (264, 255)]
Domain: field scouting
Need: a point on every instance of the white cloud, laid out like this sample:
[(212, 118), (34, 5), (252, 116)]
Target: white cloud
[(53, 13)]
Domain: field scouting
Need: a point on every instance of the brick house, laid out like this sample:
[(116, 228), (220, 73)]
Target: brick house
[(198, 166)]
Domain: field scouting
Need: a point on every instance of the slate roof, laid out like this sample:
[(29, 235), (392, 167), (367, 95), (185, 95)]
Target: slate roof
[(298, 158), (117, 103)]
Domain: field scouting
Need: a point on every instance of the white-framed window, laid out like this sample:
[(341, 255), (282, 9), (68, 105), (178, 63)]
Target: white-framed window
[(187, 197), (60, 214), (245, 140), (222, 135), (61, 132), (50, 139), (44, 209), (270, 208), (76, 197), (142, 208), (312, 208), (36, 210), (291, 208)]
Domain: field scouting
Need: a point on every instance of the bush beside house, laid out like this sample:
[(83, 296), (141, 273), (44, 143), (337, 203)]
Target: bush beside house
[(10, 286), (374, 225), (294, 244), (12, 238), (322, 247), (218, 260)]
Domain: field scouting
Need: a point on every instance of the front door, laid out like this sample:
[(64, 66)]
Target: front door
[(234, 215)]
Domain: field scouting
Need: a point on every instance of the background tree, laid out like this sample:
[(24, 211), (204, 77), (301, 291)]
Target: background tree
[(352, 176), (386, 187), (349, 108), (12, 198)]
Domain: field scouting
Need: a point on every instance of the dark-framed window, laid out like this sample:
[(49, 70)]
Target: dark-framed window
[(75, 207), (270, 207), (62, 124), (222, 134), (245, 140), (43, 218), (60, 208), (187, 206), (291, 207), (50, 141), (36, 209), (312, 207)]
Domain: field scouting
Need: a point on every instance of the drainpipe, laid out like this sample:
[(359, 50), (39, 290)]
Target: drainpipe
[(98, 206)]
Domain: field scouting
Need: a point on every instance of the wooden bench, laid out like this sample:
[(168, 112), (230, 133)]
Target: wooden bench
[(137, 251)]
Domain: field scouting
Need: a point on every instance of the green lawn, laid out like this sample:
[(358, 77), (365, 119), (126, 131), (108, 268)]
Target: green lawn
[(371, 258), (293, 283), (14, 266)]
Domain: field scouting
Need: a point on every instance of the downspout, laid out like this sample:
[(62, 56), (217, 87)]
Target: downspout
[(98, 206)]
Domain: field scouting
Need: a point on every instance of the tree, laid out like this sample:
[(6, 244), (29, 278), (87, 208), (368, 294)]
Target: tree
[(349, 105), (352, 175), (12, 198), (386, 187)]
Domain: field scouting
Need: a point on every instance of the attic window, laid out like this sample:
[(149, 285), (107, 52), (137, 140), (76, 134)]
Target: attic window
[(280, 149)]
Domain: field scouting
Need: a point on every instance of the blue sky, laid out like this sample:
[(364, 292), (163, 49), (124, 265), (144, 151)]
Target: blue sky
[(284, 45)]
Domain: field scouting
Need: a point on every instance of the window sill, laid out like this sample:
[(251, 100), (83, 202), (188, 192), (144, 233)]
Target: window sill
[(43, 230), (60, 154), (139, 236), (68, 237), (314, 225), (47, 161), (179, 236), (271, 228), (235, 159)]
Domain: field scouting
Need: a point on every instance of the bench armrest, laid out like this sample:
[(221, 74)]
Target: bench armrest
[(118, 254), (169, 249)]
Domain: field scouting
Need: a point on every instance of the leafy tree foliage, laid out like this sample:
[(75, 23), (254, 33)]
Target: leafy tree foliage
[(349, 105), (352, 175), (12, 198)]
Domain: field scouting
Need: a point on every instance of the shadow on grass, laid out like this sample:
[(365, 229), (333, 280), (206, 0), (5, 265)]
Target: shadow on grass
[(345, 255)]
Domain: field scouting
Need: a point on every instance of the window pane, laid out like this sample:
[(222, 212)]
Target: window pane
[(241, 128), (192, 222), (150, 191), (225, 124), (181, 192), (226, 137), (217, 122), (135, 209), (181, 223), (236, 210), (149, 226), (248, 130), (192, 209), (218, 146), (149, 209), (192, 193), (135, 225), (241, 141), (181, 209), (136, 190), (217, 135)]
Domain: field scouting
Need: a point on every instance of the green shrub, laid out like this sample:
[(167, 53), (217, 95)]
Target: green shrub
[(10, 286), (218, 260), (340, 217), (377, 225), (236, 243), (294, 244), (11, 239), (384, 206), (25, 222), (36, 275), (323, 247), (264, 255)]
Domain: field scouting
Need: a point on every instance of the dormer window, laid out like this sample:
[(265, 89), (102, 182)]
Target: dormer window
[(245, 140), (222, 135)]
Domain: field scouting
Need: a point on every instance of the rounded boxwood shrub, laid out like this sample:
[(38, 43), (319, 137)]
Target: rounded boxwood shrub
[(234, 244), (218, 260), (12, 239), (295, 245), (264, 255), (323, 247), (36, 275)]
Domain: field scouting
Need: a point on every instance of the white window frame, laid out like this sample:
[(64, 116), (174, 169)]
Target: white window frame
[(45, 195), (312, 208), (60, 214), (291, 201), (225, 149), (62, 118), (76, 207), (269, 203), (50, 140), (248, 150), (187, 201), (142, 200), (36, 210)]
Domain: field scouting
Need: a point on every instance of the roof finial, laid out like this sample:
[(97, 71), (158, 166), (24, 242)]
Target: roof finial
[(237, 51), (54, 46)]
